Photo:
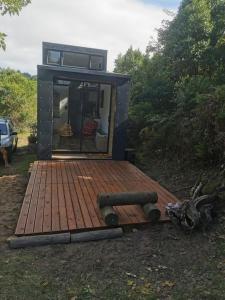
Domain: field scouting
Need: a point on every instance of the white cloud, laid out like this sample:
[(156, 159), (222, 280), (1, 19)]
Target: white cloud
[(108, 24)]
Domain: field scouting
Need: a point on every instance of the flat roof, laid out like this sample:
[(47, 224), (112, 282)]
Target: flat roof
[(73, 48), (74, 70)]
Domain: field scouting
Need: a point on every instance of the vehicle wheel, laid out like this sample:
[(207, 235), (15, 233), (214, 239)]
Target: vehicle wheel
[(9, 152)]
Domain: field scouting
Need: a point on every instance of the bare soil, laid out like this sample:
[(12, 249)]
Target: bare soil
[(155, 262)]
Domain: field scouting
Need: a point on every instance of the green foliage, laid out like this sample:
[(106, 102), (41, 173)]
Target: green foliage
[(17, 98), (178, 87), (132, 63), (129, 62), (11, 7), (188, 37), (32, 138), (191, 90), (2, 40)]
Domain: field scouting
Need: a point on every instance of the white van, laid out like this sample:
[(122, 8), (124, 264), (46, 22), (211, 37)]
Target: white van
[(8, 137)]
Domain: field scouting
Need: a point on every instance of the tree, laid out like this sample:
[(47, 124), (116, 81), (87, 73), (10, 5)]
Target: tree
[(187, 38), (178, 85), (10, 7), (131, 63), (18, 98)]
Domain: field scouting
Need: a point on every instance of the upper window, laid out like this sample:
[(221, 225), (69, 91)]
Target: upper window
[(53, 57), (96, 62), (73, 59)]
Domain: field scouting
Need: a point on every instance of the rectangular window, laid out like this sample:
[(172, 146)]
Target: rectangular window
[(3, 129), (73, 59), (96, 62), (53, 57)]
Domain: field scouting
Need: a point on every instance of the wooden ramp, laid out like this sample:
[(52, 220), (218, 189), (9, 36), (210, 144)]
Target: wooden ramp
[(61, 195)]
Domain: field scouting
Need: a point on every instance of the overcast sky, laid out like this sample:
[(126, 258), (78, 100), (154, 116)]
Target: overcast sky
[(108, 24)]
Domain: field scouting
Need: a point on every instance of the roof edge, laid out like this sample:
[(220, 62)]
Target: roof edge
[(83, 71)]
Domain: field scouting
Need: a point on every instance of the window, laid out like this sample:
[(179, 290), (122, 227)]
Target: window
[(53, 57), (3, 129), (96, 62), (63, 82), (73, 59)]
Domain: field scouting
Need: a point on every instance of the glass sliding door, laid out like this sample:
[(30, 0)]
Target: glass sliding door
[(67, 116), (90, 121), (96, 118), (81, 116)]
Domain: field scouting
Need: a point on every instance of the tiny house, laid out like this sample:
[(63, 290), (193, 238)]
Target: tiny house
[(82, 108)]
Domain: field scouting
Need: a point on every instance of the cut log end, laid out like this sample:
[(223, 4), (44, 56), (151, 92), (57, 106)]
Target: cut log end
[(152, 212), (109, 215)]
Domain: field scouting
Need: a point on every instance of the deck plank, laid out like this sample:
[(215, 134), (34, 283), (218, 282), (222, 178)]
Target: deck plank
[(62, 195), (74, 199), (21, 224), (41, 200), (34, 203), (47, 218), (89, 195)]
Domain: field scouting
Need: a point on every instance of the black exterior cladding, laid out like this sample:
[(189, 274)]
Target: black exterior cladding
[(46, 76)]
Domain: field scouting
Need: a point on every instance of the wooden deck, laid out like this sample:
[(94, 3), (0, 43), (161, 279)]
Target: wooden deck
[(61, 195)]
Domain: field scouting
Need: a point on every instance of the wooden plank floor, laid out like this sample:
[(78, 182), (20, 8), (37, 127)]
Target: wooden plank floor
[(61, 195)]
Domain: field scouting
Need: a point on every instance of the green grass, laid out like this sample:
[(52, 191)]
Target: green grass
[(21, 161), (23, 139), (25, 274)]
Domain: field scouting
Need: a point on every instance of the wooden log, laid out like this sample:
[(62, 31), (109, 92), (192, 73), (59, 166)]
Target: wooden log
[(96, 235), (38, 240), (109, 216), (152, 212), (126, 198)]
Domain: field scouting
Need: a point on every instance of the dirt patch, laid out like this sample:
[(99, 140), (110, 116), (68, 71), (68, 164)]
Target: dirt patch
[(177, 177), (12, 189), (155, 262)]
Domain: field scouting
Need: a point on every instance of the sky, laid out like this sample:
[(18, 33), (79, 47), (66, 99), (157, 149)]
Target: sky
[(113, 25), (171, 4)]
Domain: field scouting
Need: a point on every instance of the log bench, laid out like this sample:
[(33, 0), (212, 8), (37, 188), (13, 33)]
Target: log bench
[(147, 201)]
